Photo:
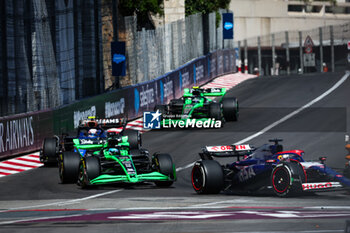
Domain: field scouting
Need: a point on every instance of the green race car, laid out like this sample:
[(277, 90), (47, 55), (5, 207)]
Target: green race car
[(114, 160), (197, 104)]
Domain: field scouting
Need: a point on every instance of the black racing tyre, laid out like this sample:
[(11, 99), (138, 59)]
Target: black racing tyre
[(134, 138), (91, 170), (69, 167), (230, 109), (287, 179), (215, 111), (165, 165), (207, 177), (93, 167), (50, 149)]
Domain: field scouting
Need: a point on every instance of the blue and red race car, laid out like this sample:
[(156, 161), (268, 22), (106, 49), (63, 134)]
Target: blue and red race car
[(267, 167)]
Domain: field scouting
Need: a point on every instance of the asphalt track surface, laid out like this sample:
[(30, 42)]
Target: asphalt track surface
[(35, 201)]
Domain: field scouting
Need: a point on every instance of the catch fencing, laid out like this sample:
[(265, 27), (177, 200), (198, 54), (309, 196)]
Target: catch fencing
[(53, 53), (284, 52), (152, 53), (50, 53)]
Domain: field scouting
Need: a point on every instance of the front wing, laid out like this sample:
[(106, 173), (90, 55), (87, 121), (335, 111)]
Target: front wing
[(336, 181), (146, 177)]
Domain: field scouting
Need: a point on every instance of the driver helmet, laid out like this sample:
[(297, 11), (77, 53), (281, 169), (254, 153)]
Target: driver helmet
[(93, 133), (113, 151)]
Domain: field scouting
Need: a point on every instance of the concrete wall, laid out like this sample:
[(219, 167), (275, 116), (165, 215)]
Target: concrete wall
[(261, 17), (174, 10)]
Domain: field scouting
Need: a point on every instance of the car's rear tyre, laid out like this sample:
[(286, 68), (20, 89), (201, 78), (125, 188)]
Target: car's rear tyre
[(230, 109), (165, 165), (215, 111), (69, 167), (50, 150), (134, 138), (287, 179), (207, 177), (91, 170)]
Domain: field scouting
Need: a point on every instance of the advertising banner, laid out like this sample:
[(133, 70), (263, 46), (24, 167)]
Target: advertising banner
[(118, 58), (227, 24), (185, 79), (23, 133)]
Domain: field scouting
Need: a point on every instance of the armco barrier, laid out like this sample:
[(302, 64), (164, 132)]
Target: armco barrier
[(25, 132)]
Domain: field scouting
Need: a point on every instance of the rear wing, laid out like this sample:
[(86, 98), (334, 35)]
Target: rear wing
[(104, 123), (112, 122), (225, 151), (195, 91)]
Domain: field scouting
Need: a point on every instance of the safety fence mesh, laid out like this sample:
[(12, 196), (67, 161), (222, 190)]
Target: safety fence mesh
[(329, 52), (50, 53), (53, 53)]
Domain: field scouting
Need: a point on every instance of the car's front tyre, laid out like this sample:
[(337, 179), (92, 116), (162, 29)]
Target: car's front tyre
[(88, 171), (69, 167), (165, 165), (287, 179)]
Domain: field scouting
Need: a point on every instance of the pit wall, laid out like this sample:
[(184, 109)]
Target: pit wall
[(24, 133)]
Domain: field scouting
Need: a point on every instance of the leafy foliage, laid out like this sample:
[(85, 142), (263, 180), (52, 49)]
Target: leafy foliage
[(204, 6), (143, 9)]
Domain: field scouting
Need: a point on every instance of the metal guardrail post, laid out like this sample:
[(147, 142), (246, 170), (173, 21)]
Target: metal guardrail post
[(321, 49), (287, 53), (245, 53), (259, 55), (239, 64), (273, 55), (347, 147), (332, 47), (301, 52)]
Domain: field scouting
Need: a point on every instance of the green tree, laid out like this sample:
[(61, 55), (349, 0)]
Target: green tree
[(205, 7), (143, 10)]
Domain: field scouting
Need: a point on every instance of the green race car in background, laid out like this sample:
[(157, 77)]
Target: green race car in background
[(198, 103), (114, 160)]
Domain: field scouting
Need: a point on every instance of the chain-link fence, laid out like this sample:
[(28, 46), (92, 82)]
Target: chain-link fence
[(293, 51), (152, 53), (55, 52), (50, 53)]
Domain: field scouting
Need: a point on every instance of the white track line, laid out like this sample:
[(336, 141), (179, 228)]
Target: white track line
[(69, 202), (40, 218), (185, 167), (290, 115)]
